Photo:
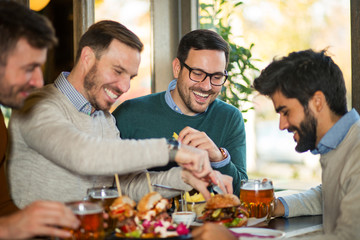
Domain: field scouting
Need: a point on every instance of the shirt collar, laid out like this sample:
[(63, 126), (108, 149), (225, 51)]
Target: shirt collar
[(170, 101), (168, 98), (78, 100), (337, 133)]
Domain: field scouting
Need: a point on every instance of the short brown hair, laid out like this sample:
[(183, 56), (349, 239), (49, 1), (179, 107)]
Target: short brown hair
[(17, 22), (99, 36)]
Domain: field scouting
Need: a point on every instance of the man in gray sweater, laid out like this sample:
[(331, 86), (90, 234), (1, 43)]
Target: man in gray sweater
[(25, 37), (308, 91), (64, 139)]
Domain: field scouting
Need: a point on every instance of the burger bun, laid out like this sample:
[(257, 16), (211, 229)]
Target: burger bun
[(222, 201), (148, 201), (123, 200)]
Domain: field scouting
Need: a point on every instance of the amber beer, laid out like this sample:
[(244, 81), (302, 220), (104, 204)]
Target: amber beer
[(105, 197), (257, 197), (91, 220)]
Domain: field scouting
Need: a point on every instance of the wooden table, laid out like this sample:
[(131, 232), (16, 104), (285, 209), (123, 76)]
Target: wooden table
[(297, 226)]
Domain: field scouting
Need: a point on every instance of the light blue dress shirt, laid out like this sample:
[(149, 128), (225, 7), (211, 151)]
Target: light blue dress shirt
[(78, 100)]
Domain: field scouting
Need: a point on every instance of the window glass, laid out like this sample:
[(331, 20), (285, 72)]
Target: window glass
[(278, 28), (135, 15)]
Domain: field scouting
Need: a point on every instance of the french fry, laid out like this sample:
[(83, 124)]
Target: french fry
[(197, 197)]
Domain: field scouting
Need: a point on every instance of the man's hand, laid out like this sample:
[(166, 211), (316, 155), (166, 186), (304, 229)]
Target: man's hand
[(201, 184), (195, 138), (41, 218), (221, 180), (197, 183), (212, 231), (194, 160), (279, 209)]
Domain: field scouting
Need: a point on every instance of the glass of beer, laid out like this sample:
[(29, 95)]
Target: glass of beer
[(257, 196), (104, 196), (91, 217)]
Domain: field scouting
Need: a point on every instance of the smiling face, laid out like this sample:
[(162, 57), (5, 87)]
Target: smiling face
[(194, 97), (110, 75), (295, 118), (21, 74)]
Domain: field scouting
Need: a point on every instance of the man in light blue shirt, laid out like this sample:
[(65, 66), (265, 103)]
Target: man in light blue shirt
[(308, 91)]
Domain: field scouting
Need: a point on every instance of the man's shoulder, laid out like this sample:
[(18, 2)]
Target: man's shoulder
[(44, 95), (354, 131), (223, 107), (143, 102)]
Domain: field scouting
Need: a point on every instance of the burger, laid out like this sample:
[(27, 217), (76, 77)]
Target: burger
[(225, 209), (154, 220), (122, 209), (153, 207)]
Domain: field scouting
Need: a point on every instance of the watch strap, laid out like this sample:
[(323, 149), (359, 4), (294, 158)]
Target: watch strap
[(173, 147)]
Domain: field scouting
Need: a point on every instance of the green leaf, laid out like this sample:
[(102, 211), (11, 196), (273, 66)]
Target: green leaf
[(237, 89)]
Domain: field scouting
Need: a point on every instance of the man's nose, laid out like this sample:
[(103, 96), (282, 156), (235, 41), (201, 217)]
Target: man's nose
[(37, 80), (283, 123), (206, 84), (124, 84)]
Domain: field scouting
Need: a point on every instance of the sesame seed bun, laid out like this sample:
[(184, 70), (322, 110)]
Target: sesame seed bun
[(222, 201)]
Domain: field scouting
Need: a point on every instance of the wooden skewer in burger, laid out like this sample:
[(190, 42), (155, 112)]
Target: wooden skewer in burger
[(225, 209), (149, 220), (153, 216), (123, 209)]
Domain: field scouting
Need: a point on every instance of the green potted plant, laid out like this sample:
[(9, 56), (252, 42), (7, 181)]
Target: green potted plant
[(237, 90)]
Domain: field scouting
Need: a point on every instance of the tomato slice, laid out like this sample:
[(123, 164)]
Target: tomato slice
[(128, 228), (117, 211)]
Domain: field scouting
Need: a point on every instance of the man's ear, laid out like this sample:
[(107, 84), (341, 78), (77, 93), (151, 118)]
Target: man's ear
[(87, 58), (318, 101), (176, 67)]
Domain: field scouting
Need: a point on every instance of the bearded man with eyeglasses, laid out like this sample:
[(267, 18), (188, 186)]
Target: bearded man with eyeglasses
[(190, 108)]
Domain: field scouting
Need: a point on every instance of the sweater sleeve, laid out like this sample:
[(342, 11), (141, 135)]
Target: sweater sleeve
[(135, 184), (55, 131), (235, 143), (306, 203)]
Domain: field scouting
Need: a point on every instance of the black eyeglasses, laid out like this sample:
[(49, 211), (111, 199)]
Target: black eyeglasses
[(198, 75)]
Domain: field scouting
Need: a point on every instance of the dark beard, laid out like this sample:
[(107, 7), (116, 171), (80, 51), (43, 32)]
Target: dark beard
[(307, 133), (89, 83), (187, 101)]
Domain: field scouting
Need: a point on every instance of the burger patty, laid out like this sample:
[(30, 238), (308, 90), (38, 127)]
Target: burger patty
[(223, 213)]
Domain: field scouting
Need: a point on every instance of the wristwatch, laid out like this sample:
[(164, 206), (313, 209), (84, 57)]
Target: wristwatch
[(223, 153), (173, 147)]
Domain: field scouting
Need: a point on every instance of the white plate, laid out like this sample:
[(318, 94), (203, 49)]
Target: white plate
[(257, 233), (253, 221)]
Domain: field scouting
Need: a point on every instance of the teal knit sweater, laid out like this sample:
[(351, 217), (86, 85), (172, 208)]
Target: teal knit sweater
[(150, 117)]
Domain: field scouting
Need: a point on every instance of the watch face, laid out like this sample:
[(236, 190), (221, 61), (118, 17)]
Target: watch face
[(223, 153), (172, 143)]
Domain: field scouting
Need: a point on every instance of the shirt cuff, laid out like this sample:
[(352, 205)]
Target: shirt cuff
[(285, 206), (222, 163)]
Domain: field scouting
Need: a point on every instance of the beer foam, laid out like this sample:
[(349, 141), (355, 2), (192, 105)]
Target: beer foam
[(86, 212), (104, 194), (102, 197), (255, 186), (85, 208)]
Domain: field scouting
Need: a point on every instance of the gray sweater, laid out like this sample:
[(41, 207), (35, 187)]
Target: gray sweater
[(339, 195), (57, 153)]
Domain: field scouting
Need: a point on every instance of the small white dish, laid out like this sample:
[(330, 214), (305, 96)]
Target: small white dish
[(250, 233), (185, 217)]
